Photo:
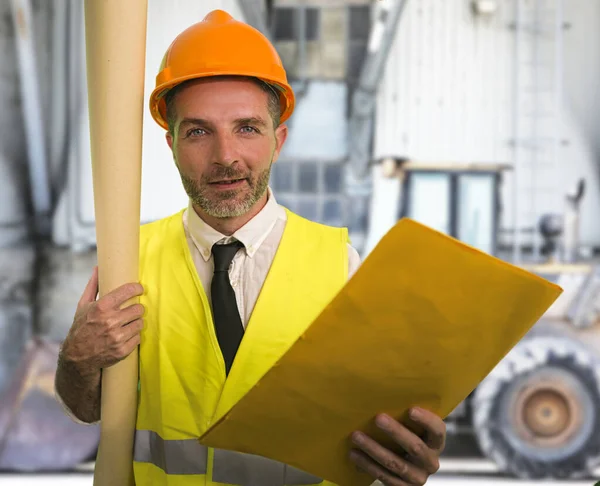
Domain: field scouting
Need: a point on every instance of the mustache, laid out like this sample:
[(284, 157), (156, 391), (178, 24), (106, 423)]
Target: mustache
[(225, 173)]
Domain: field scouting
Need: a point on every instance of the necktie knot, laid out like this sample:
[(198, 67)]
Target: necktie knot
[(223, 255)]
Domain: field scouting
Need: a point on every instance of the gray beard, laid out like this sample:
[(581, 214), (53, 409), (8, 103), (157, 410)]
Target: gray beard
[(227, 204)]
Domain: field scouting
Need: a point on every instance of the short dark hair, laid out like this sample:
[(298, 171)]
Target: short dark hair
[(273, 106)]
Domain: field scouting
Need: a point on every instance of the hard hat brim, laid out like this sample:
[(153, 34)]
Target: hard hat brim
[(158, 107)]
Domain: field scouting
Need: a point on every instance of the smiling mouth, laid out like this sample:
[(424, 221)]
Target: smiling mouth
[(227, 182)]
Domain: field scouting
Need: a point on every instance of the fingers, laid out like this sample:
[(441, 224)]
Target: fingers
[(126, 315), (112, 300), (414, 446), (385, 465), (435, 427), (91, 290), (132, 329), (125, 333), (117, 297), (121, 342), (367, 465), (124, 349), (128, 346)]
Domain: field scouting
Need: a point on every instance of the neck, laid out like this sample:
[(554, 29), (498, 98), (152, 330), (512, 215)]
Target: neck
[(228, 226)]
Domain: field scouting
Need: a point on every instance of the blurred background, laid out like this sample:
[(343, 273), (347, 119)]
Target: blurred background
[(479, 118)]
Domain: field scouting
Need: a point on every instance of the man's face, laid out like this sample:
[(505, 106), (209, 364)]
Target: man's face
[(224, 144)]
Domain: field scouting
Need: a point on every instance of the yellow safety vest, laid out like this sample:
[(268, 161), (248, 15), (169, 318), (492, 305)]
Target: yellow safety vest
[(183, 387)]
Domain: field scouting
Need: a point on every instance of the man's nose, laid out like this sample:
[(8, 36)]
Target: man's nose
[(225, 152)]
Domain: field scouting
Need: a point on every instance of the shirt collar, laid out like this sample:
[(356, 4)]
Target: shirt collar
[(252, 234)]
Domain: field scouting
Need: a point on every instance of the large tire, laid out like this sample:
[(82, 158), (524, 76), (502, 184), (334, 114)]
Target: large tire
[(537, 414)]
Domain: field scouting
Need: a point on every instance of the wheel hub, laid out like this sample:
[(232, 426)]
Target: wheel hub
[(546, 414)]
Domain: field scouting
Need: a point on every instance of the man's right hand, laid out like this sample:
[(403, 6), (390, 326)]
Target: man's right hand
[(102, 333)]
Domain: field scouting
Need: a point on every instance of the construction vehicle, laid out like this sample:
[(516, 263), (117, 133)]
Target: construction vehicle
[(537, 414)]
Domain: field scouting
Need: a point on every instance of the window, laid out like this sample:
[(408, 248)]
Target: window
[(462, 205), (283, 177), (356, 57), (333, 178), (358, 38), (429, 200), (286, 23), (308, 209), (333, 213), (308, 175), (360, 24), (476, 210), (313, 189)]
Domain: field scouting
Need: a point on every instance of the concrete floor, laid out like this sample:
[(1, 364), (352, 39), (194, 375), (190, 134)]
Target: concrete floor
[(472, 472)]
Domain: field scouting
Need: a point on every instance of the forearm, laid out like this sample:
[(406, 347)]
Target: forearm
[(79, 390)]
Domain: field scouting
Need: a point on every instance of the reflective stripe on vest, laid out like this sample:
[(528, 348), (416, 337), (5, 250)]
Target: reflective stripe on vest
[(172, 456), (236, 468), (190, 457)]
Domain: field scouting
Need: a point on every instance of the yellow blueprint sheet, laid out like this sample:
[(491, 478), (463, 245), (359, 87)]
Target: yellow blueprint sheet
[(422, 322)]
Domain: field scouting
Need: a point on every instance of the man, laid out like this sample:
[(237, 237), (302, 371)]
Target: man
[(234, 264)]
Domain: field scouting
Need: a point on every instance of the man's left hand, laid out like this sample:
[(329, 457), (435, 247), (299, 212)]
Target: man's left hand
[(420, 458)]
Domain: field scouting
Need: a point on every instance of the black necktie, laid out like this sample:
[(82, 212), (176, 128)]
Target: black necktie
[(228, 324)]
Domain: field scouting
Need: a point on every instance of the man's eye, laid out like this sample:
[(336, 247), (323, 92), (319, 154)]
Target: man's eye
[(195, 132), (249, 129)]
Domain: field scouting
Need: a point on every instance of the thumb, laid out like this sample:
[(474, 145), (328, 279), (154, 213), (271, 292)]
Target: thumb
[(91, 290)]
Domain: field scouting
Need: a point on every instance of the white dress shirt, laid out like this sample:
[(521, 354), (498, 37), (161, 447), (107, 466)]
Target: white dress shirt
[(248, 271)]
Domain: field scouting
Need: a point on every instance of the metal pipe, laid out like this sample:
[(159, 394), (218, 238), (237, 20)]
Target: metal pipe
[(13, 195), (32, 113), (571, 217), (516, 258), (556, 136), (301, 43), (255, 13), (381, 39), (13, 213), (537, 34), (59, 103)]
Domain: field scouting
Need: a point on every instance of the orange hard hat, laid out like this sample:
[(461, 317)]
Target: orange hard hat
[(220, 45)]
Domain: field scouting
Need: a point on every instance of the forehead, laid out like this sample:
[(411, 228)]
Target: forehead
[(227, 96)]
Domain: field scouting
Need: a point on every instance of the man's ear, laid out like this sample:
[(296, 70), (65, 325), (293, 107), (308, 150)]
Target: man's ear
[(170, 139), (281, 133)]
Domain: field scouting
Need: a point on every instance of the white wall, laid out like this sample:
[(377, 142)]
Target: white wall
[(445, 91), (448, 95), (582, 108)]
